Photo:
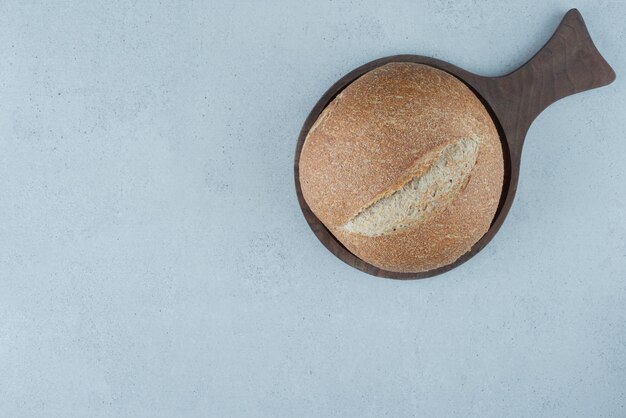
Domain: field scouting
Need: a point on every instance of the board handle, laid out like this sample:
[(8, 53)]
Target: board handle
[(568, 63)]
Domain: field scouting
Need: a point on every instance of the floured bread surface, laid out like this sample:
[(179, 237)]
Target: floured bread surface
[(404, 167)]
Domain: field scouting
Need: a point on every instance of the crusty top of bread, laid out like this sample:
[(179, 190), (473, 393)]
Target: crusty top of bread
[(404, 148)]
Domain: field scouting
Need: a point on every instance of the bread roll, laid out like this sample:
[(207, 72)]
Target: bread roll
[(404, 167)]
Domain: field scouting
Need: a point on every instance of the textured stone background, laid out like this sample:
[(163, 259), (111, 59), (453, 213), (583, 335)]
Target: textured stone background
[(154, 260)]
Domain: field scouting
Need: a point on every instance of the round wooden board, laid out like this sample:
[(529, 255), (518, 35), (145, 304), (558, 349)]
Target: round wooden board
[(569, 63)]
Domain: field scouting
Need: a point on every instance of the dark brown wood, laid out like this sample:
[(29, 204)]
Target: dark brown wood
[(568, 63)]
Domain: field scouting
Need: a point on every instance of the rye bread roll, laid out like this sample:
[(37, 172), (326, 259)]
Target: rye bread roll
[(404, 167)]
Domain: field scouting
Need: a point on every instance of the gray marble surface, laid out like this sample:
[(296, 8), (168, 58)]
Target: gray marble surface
[(154, 261)]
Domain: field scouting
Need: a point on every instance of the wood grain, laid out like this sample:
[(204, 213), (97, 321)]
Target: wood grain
[(568, 63)]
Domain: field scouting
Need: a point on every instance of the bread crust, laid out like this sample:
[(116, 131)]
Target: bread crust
[(369, 142)]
